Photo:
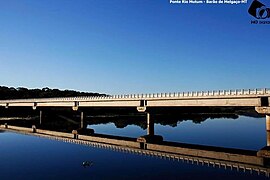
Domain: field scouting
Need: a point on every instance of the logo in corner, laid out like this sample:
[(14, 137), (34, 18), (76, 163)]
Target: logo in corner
[(259, 10)]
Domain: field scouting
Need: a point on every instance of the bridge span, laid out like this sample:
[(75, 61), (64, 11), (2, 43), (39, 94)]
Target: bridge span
[(258, 98)]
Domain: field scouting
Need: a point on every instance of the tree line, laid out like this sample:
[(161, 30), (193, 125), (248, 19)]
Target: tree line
[(23, 93)]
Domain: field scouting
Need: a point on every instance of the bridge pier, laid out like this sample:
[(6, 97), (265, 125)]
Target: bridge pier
[(82, 117), (267, 122), (150, 125), (266, 111), (40, 117), (82, 130), (150, 137), (265, 152)]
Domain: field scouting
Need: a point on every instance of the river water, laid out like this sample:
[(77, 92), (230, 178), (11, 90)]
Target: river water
[(31, 157)]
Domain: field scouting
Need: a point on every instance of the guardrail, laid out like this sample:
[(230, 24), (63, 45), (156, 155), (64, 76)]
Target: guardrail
[(236, 92)]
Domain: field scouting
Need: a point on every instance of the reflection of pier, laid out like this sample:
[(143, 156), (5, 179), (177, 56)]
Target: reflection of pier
[(242, 160)]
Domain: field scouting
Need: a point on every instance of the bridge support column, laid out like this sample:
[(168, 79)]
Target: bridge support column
[(40, 117), (82, 120), (265, 152), (83, 130), (267, 122), (266, 111), (150, 137), (150, 125)]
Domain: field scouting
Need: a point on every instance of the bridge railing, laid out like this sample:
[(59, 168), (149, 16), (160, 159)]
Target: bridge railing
[(237, 92), (196, 93)]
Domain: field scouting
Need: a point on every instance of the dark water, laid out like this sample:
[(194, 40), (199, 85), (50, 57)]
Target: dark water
[(244, 132), (29, 157)]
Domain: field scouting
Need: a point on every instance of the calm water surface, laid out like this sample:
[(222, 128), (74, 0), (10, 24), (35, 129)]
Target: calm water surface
[(244, 132), (30, 157)]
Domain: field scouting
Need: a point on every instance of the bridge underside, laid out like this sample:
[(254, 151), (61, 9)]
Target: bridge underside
[(131, 111), (163, 109)]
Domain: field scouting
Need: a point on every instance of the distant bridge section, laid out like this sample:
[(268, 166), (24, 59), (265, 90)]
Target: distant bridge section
[(258, 98)]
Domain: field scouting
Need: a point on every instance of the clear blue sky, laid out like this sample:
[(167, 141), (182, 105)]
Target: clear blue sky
[(131, 46)]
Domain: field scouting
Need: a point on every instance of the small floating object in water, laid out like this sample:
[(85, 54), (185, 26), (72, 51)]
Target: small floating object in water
[(87, 164)]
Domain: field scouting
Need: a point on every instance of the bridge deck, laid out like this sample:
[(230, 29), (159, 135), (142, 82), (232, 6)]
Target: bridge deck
[(253, 98)]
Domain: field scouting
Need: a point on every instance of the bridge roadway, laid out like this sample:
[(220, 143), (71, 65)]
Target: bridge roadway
[(227, 158), (258, 98)]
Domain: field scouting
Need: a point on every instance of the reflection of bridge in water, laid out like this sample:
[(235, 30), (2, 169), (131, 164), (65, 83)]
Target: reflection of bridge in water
[(227, 158)]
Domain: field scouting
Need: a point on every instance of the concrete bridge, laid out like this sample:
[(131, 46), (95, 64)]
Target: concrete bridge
[(257, 98), (222, 98)]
